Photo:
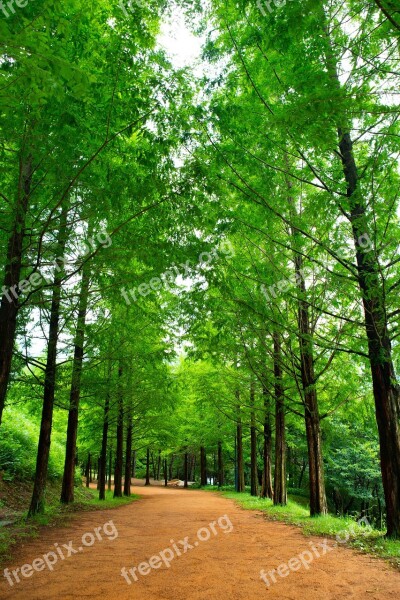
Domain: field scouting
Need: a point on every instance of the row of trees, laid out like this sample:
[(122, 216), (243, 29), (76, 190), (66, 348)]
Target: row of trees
[(117, 172)]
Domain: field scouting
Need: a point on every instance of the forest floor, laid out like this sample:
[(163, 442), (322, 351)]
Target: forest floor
[(200, 545)]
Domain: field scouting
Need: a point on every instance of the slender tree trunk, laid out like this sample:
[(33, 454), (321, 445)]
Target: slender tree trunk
[(386, 390), (203, 467), (165, 472), (171, 464), (302, 472), (253, 445), (128, 459), (87, 474), (318, 504), (267, 489), (153, 464), (220, 465), (110, 470), (120, 442), (280, 491), (384, 379), (192, 473), (148, 467), (67, 491), (9, 300), (239, 450), (42, 460), (186, 470), (158, 465), (103, 457), (134, 464)]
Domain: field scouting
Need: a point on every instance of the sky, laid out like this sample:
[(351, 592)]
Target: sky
[(181, 45)]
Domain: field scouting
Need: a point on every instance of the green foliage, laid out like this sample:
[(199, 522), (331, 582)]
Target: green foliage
[(18, 446)]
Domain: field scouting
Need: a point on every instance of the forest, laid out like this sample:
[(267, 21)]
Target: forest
[(201, 263)]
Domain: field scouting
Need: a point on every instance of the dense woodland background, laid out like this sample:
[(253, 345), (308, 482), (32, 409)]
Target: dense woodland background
[(201, 273)]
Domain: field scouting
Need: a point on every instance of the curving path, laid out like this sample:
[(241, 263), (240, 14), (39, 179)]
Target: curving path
[(222, 551)]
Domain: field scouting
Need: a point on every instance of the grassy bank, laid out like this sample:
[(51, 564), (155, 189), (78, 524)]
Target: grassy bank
[(15, 528), (344, 529)]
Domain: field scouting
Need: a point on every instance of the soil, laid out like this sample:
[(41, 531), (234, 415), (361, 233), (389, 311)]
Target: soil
[(226, 566)]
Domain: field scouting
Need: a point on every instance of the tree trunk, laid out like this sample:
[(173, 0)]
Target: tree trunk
[(239, 449), (42, 460), (103, 457), (109, 470), (253, 445), (165, 473), (153, 464), (67, 491), (220, 465), (386, 390), (384, 380), (12, 272), (128, 460), (203, 467), (186, 470), (87, 473), (120, 442), (134, 464), (318, 504), (148, 467), (267, 489), (158, 465), (280, 491)]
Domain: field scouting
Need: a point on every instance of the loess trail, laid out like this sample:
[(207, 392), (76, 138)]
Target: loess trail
[(226, 566)]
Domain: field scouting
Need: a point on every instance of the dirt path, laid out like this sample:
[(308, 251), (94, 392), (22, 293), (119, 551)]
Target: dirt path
[(226, 566)]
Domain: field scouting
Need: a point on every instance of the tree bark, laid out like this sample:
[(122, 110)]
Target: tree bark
[(158, 465), (220, 465), (109, 470), (384, 380), (203, 467), (148, 467), (280, 490), (67, 491), (239, 452), (87, 472), (318, 504), (103, 456), (267, 489), (253, 445), (128, 459), (120, 442), (134, 464), (42, 459), (165, 472), (186, 470), (9, 301)]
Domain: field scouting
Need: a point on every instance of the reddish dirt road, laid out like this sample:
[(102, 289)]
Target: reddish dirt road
[(226, 566)]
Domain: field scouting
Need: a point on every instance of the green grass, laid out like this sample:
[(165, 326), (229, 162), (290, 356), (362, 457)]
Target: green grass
[(364, 539), (56, 515)]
